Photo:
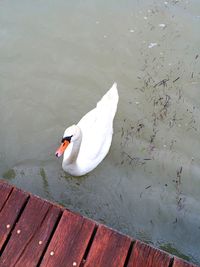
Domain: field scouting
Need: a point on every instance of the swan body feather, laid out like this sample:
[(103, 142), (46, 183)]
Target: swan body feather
[(91, 138)]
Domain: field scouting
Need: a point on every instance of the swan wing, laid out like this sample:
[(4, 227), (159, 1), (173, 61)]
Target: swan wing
[(97, 129)]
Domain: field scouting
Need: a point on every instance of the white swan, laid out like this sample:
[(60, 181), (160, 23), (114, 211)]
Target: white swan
[(86, 144)]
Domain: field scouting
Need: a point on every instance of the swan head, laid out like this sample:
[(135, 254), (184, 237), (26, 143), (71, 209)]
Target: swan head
[(70, 135)]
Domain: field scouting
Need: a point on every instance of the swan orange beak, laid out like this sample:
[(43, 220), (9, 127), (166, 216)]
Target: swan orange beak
[(61, 149)]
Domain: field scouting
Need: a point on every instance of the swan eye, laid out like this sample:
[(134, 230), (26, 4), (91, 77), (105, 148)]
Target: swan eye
[(67, 138)]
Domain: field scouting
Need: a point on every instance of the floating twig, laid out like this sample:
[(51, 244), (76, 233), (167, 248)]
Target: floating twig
[(176, 79), (163, 82), (148, 187)]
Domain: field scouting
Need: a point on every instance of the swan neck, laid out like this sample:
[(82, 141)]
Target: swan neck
[(72, 157)]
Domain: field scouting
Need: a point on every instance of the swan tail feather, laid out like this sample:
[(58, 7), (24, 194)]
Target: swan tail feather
[(109, 101)]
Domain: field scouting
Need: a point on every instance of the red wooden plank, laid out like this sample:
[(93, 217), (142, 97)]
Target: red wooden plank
[(144, 255), (28, 239), (5, 190), (69, 241), (32, 253), (30, 220), (10, 213), (180, 263), (109, 248)]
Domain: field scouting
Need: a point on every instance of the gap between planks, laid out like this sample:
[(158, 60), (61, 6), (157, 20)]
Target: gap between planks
[(15, 222), (50, 238)]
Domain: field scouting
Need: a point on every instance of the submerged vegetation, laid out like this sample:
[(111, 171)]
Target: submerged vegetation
[(10, 174), (170, 249)]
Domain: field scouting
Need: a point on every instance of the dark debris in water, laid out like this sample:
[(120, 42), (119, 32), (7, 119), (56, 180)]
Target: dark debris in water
[(149, 186), (176, 79), (162, 82), (179, 194), (146, 188), (132, 160)]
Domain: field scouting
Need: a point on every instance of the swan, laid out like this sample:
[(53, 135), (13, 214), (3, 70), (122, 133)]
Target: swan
[(86, 144)]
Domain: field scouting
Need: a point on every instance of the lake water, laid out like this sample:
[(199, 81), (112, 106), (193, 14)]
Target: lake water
[(57, 58)]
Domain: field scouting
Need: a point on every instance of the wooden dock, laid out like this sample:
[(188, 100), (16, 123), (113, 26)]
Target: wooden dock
[(35, 232)]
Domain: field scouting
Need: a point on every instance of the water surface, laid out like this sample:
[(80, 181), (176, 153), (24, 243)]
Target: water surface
[(57, 58)]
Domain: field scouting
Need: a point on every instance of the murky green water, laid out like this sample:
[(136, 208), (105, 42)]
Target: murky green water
[(57, 58)]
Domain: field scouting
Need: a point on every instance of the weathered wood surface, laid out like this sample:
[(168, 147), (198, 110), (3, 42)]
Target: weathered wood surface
[(109, 248), (25, 229), (35, 232), (5, 190), (144, 255), (34, 250), (69, 242), (10, 213)]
